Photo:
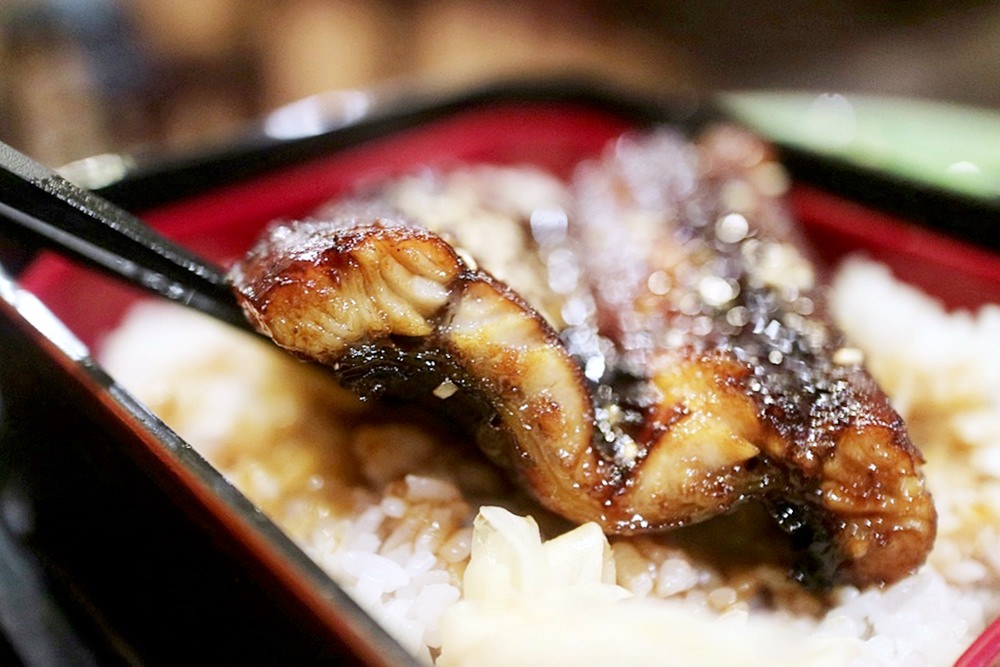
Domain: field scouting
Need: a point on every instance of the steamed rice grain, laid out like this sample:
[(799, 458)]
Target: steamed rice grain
[(408, 521)]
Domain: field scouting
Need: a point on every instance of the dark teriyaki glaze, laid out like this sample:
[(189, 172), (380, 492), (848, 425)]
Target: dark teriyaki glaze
[(657, 352)]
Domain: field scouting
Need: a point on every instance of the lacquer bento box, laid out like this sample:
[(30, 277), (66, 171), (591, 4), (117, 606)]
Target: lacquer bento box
[(155, 512)]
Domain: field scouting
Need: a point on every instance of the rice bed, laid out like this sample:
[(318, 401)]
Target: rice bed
[(442, 550)]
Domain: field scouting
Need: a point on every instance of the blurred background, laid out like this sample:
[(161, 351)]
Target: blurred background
[(82, 77)]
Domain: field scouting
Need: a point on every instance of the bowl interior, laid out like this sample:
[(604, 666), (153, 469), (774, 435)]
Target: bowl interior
[(222, 223)]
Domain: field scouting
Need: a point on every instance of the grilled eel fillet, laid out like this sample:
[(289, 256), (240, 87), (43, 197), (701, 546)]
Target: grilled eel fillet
[(688, 365)]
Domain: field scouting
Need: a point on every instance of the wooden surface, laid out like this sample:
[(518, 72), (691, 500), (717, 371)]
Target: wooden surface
[(82, 78)]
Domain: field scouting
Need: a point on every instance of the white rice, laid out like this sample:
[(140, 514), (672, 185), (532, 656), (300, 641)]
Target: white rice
[(387, 507)]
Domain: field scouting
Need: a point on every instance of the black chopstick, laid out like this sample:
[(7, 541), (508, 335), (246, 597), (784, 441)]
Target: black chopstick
[(61, 216)]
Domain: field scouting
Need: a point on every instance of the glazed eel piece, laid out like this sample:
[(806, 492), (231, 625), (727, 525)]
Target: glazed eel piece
[(684, 363)]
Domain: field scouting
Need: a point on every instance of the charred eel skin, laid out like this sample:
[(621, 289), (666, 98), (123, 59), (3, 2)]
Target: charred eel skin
[(688, 366)]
